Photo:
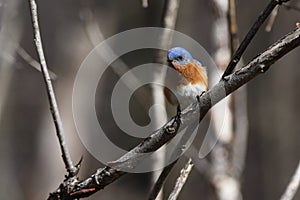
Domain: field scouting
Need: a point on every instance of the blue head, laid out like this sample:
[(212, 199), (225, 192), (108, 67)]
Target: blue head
[(179, 56)]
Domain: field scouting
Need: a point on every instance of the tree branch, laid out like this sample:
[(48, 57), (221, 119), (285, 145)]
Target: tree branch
[(161, 180), (251, 33), (50, 92), (108, 174), (184, 174)]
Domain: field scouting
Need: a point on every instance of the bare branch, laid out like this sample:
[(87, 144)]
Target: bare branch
[(108, 174), (50, 92), (292, 186), (160, 181), (184, 174), (251, 33)]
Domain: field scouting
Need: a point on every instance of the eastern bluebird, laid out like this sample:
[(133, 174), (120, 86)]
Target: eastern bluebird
[(191, 81)]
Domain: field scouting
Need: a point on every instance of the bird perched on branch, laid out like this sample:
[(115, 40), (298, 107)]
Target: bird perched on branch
[(191, 80)]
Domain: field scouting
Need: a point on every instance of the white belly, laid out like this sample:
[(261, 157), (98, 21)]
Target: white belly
[(188, 94)]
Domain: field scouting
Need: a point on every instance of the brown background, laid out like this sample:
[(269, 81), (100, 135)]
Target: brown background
[(30, 162)]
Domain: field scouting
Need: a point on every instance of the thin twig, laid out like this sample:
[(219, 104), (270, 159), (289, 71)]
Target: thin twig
[(50, 92), (251, 33), (161, 180), (292, 186), (107, 175), (184, 174)]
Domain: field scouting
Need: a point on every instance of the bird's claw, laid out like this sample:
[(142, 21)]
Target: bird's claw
[(198, 96)]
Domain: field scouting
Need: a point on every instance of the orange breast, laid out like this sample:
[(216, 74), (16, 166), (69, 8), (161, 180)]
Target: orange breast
[(193, 73)]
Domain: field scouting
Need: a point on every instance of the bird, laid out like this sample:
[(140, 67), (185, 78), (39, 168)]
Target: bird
[(191, 78)]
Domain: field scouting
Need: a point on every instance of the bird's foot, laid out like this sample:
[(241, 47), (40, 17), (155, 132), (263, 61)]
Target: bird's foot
[(198, 96)]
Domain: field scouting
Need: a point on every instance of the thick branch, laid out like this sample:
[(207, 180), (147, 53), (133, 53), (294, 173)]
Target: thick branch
[(50, 92), (108, 174)]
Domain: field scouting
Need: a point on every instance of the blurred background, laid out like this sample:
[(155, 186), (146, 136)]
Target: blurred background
[(30, 161)]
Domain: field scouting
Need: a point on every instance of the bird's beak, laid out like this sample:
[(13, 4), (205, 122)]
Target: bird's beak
[(170, 63)]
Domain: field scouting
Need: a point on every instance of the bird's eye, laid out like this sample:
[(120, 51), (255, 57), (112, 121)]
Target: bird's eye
[(180, 57)]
